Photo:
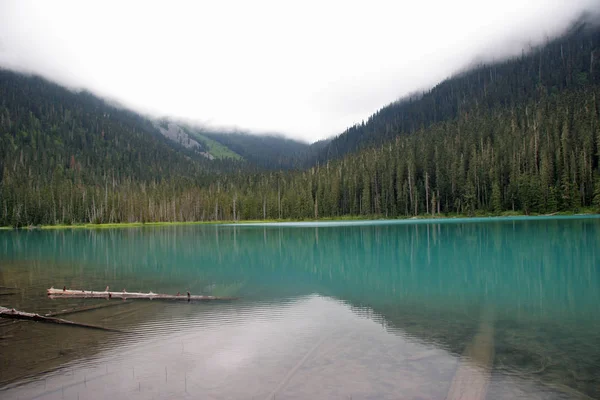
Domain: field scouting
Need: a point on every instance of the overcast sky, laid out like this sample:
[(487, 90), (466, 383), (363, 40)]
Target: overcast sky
[(307, 69)]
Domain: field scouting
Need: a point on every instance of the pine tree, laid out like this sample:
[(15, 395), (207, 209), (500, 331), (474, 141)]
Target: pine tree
[(496, 198), (596, 200)]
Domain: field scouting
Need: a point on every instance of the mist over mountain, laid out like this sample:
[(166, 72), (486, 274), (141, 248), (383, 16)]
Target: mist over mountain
[(270, 73), (520, 135), (563, 63)]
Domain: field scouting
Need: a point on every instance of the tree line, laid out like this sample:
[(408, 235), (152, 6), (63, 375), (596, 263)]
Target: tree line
[(540, 157), (522, 135)]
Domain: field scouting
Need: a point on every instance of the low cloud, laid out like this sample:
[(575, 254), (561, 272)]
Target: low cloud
[(308, 70)]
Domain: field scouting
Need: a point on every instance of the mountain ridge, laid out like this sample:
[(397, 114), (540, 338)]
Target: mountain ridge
[(518, 136), (496, 84)]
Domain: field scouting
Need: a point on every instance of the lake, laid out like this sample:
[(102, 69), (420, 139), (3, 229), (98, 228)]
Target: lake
[(413, 309)]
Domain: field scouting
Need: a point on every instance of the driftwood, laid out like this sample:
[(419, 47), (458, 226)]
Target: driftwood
[(106, 294), (473, 374), (11, 313)]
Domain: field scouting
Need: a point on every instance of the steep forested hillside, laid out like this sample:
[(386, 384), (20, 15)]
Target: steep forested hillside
[(193, 137), (265, 151), (569, 62), (522, 135), (48, 132), (539, 157)]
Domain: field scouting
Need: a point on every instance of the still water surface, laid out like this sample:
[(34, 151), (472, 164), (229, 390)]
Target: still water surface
[(496, 309)]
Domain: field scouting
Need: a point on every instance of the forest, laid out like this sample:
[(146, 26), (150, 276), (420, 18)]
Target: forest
[(522, 136), (570, 61)]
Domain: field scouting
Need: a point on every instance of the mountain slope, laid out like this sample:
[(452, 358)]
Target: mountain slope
[(569, 62), (265, 151), (214, 148), (48, 131), (69, 157), (512, 144), (192, 138), (534, 157)]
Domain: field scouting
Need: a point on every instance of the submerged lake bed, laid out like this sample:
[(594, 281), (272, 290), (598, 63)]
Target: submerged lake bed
[(362, 310)]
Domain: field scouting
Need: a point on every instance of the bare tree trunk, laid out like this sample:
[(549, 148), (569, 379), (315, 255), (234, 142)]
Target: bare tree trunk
[(106, 294), (234, 199), (426, 193), (14, 314), (410, 188)]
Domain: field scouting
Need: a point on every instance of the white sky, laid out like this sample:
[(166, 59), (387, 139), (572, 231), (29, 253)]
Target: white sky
[(308, 69)]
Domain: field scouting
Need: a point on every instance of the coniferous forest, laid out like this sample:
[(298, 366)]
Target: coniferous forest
[(521, 135)]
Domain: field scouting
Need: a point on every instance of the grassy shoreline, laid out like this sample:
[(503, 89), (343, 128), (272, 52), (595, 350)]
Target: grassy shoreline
[(506, 214)]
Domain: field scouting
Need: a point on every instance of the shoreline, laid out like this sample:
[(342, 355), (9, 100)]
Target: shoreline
[(121, 225)]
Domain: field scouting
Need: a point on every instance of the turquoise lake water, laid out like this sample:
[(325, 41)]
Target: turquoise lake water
[(335, 310)]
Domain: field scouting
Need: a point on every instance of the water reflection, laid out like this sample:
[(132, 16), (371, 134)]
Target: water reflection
[(371, 297), (297, 350)]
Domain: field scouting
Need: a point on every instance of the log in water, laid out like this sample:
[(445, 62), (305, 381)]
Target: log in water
[(106, 294), (473, 374), (11, 313)]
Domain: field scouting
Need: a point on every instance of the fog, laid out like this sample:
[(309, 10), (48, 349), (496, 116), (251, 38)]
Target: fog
[(305, 69)]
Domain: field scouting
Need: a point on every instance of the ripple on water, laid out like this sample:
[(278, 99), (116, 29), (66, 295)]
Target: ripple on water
[(362, 310)]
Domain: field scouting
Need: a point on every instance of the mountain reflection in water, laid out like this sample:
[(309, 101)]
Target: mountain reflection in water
[(361, 310)]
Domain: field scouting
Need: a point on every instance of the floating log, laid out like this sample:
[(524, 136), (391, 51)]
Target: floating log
[(11, 313), (107, 294)]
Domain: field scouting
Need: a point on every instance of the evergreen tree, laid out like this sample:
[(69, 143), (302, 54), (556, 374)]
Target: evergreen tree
[(596, 201), (496, 198)]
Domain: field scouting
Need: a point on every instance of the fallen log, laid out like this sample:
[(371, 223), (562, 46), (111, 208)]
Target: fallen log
[(107, 294), (11, 313), (473, 374)]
